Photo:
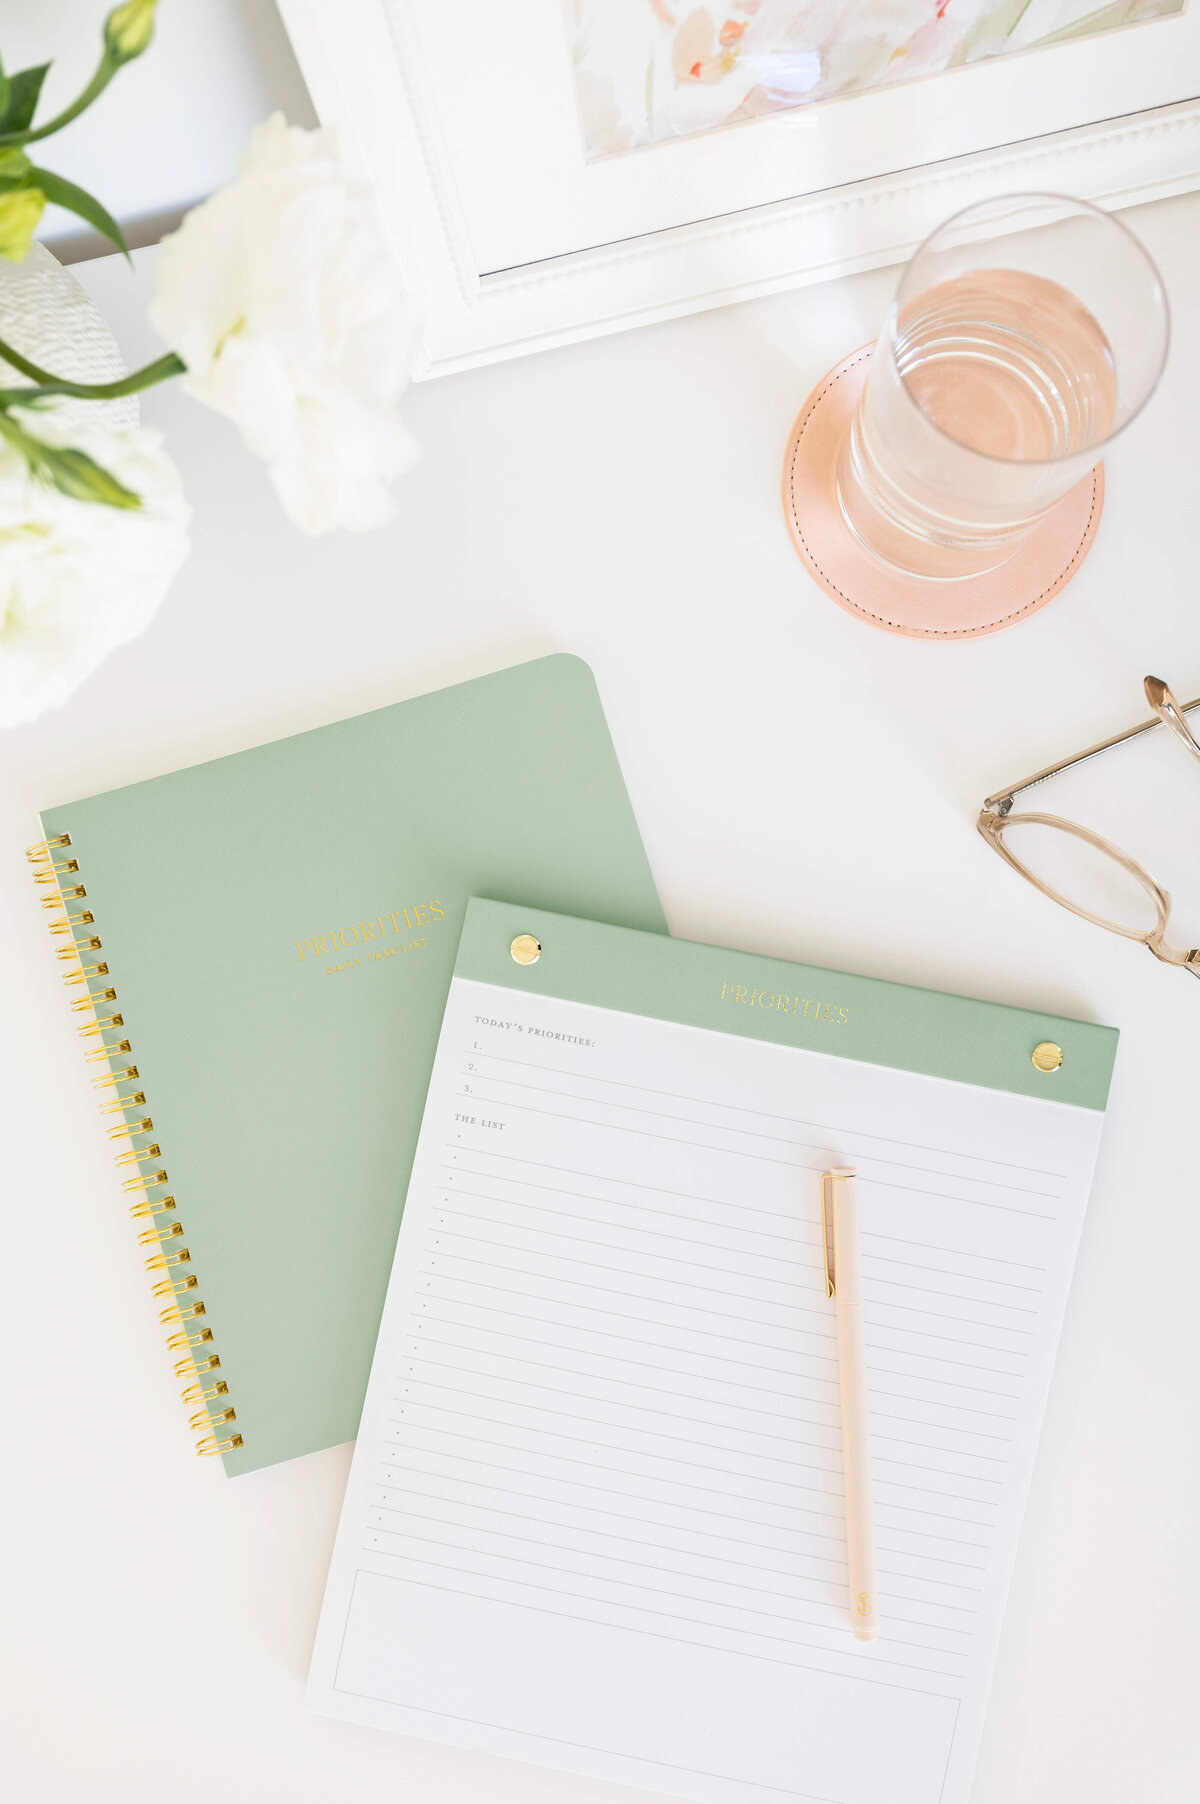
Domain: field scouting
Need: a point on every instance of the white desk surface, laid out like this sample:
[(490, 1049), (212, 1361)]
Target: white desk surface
[(806, 787)]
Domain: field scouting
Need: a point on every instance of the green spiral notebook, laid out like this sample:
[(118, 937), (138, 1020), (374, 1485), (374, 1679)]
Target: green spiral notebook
[(265, 943)]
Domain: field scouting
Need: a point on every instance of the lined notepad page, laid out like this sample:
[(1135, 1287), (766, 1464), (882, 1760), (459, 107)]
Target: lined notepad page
[(595, 1515)]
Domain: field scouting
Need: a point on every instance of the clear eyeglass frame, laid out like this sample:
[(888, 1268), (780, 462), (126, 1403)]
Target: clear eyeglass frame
[(997, 815)]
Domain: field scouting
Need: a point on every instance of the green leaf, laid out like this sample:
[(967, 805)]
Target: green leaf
[(70, 471), (5, 93), (14, 166), (24, 91), (63, 193), (80, 476)]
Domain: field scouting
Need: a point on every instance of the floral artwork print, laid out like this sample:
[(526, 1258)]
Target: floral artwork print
[(650, 70)]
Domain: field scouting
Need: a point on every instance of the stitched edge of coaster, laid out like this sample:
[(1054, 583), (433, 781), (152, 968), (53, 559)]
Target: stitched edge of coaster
[(865, 613)]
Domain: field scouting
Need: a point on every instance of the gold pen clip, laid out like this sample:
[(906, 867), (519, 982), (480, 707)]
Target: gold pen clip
[(827, 1228)]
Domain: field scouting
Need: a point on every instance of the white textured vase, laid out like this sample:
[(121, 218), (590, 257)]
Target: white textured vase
[(47, 317)]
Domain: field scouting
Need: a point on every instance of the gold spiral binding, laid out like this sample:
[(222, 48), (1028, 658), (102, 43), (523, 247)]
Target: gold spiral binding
[(149, 1180), (151, 1205), (79, 1003), (177, 1342), (160, 1261), (81, 973), (174, 1287), (119, 1104), (177, 1313), (100, 1027), (134, 1154), (69, 923), (130, 1129), (43, 852), (50, 873), (154, 1237), (55, 869), (210, 1445), (195, 1393), (64, 954), (115, 1077), (204, 1418)]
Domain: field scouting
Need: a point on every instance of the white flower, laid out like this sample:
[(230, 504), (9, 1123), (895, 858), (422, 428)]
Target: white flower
[(78, 578), (279, 296)]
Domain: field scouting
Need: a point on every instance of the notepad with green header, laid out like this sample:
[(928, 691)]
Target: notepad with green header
[(268, 940), (929, 1032), (604, 1428)]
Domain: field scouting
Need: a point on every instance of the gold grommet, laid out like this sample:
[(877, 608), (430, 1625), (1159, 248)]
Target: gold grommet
[(526, 950), (1046, 1056)]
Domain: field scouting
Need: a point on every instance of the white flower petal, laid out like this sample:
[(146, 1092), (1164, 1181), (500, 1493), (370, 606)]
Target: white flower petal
[(279, 296), (78, 578)]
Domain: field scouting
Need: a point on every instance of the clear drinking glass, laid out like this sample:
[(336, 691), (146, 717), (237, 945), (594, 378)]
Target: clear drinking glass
[(1025, 334)]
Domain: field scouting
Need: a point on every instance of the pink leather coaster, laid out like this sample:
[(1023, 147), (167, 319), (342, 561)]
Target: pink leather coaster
[(964, 609)]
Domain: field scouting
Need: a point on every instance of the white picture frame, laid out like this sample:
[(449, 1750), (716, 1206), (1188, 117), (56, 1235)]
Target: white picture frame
[(514, 243)]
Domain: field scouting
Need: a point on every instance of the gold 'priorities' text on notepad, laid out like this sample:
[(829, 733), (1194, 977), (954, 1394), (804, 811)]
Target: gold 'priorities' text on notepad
[(777, 1001)]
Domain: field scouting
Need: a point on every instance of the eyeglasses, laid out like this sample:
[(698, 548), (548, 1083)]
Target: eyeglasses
[(1080, 870)]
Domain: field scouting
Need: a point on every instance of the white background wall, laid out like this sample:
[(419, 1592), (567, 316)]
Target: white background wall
[(171, 126)]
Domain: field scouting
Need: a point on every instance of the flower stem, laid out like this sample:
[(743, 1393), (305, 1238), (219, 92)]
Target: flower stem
[(47, 384), (105, 71)]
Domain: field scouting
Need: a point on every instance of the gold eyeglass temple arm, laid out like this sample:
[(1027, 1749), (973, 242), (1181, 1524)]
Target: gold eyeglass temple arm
[(1168, 712)]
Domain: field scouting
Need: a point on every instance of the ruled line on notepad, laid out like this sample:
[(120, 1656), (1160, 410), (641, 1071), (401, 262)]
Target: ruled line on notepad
[(654, 1456), (751, 1365), (560, 1591), (690, 1510), (827, 1588), (831, 1445), (833, 1469), (762, 1346), (641, 1590), (807, 1237), (706, 1146), (745, 1405), (656, 1189), (831, 1617), (688, 1395), (712, 1102), (740, 1340), (827, 1621), (712, 1473), (791, 1304), (836, 1567), (832, 1577), (731, 1384), (805, 1233), (659, 1635), (953, 1340), (810, 1266), (935, 1581), (472, 1089)]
